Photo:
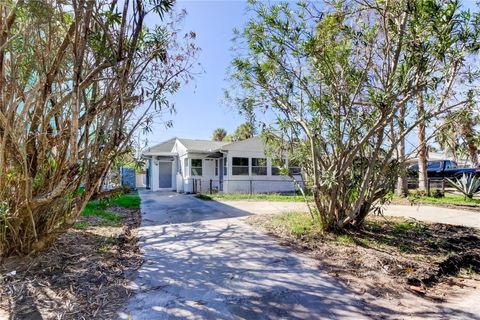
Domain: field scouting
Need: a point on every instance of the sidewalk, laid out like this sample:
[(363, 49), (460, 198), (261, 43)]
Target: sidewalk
[(436, 214), (420, 212)]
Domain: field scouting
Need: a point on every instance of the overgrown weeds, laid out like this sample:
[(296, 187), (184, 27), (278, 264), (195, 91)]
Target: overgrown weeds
[(408, 251), (84, 275)]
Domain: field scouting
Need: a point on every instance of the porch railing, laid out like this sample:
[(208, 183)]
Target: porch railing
[(249, 186)]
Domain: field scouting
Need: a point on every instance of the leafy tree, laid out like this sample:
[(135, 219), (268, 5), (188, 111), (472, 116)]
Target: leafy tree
[(77, 78), (458, 134), (219, 134), (243, 132), (336, 76)]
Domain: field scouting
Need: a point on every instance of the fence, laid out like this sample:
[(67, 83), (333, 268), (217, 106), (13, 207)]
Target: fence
[(441, 184), (249, 186)]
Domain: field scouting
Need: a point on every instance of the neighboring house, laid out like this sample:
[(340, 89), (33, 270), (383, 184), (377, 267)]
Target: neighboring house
[(433, 156), (190, 166)]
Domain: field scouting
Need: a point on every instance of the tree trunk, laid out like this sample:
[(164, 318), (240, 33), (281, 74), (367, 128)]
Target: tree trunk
[(471, 146), (402, 183), (473, 152), (422, 145)]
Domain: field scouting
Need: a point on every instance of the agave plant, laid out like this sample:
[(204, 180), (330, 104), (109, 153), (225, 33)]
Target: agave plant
[(468, 184)]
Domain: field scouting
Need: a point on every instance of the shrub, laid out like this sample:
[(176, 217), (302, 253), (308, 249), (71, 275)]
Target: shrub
[(438, 193), (468, 184)]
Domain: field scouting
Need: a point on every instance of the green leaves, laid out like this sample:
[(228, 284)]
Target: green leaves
[(112, 16), (161, 6), (336, 79), (468, 184)]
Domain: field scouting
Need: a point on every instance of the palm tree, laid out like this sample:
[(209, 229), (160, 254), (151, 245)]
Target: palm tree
[(457, 134), (243, 132), (219, 134)]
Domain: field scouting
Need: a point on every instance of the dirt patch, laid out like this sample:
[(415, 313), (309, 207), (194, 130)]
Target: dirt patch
[(390, 256), (85, 275)]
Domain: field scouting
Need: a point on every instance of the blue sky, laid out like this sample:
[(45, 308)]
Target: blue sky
[(199, 105)]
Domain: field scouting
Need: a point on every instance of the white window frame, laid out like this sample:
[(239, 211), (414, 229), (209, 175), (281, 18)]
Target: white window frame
[(237, 166), (272, 166), (257, 166), (192, 167)]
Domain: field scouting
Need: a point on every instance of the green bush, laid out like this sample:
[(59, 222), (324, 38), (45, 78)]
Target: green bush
[(438, 193)]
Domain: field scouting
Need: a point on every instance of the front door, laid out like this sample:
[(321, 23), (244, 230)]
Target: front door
[(165, 174)]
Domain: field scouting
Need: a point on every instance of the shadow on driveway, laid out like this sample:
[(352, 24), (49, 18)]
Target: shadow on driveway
[(203, 262)]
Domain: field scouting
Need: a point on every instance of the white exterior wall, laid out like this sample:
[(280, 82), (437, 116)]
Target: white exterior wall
[(154, 175), (182, 181), (140, 179), (180, 185), (203, 181), (180, 150), (253, 183), (155, 178)]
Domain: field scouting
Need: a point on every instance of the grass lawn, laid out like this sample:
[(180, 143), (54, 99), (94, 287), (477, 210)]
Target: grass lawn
[(390, 252), (448, 199), (99, 209), (129, 201), (252, 197)]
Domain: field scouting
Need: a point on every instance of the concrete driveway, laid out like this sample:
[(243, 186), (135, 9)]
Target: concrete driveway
[(203, 262)]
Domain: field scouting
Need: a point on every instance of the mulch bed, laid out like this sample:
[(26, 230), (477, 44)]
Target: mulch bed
[(84, 275), (427, 259)]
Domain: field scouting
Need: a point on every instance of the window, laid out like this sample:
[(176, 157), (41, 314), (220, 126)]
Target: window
[(216, 167), (277, 165), (225, 161), (259, 167), (240, 166), (434, 165), (450, 164), (185, 166), (196, 167), (294, 168), (413, 167)]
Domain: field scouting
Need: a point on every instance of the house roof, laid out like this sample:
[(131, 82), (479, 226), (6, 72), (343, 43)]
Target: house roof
[(204, 146), (201, 145), (252, 144), (161, 148)]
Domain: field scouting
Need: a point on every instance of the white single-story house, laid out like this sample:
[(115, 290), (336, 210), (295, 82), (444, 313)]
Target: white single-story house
[(190, 166)]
